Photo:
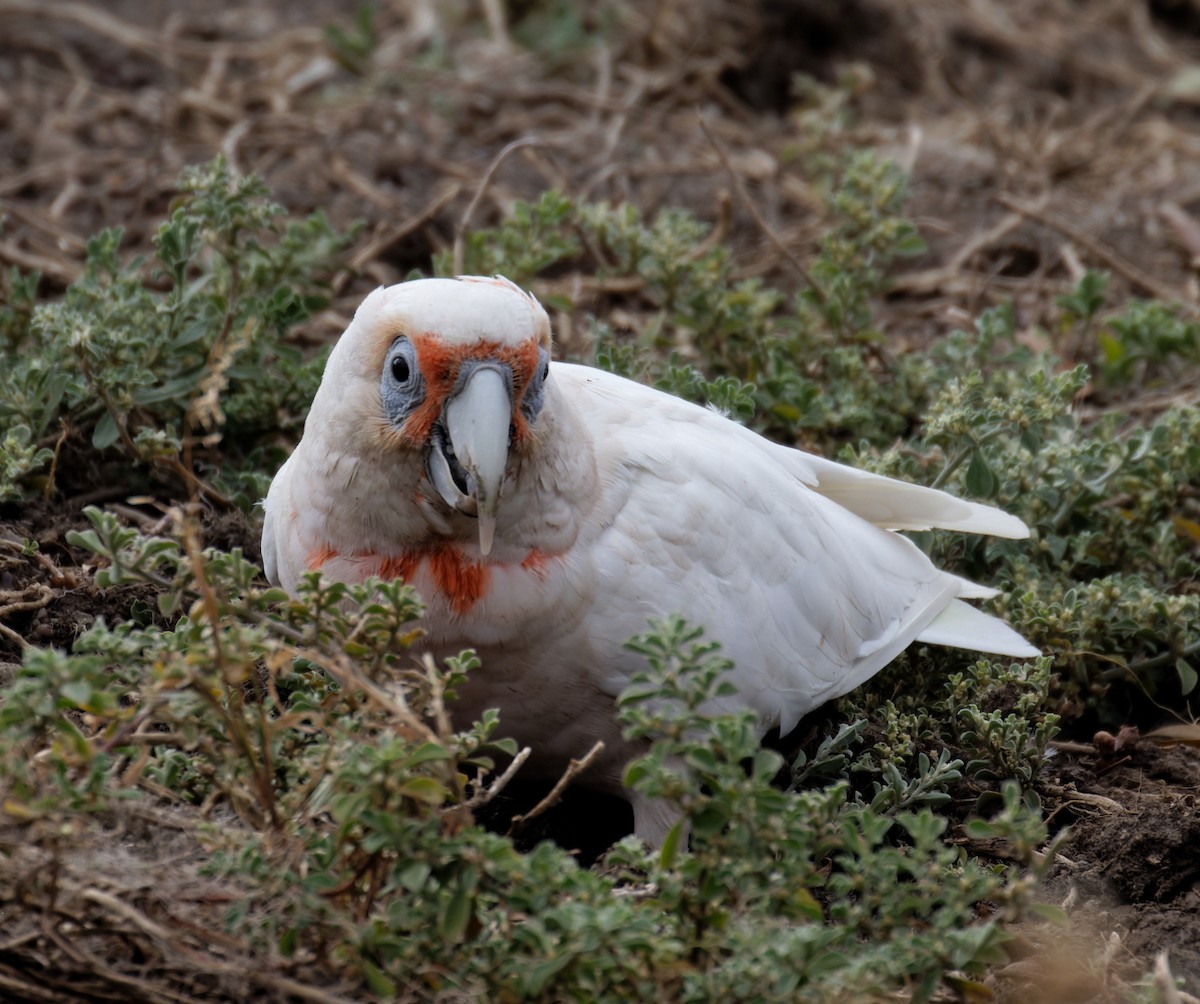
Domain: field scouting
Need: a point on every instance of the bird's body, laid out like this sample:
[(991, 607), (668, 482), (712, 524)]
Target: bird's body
[(546, 544)]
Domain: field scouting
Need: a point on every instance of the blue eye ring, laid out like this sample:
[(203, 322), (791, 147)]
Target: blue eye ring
[(401, 385), (535, 392)]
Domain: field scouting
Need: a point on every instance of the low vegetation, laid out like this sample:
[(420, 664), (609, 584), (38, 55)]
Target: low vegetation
[(327, 802)]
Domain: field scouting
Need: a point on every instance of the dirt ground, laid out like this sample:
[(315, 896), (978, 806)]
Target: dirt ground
[(1043, 137)]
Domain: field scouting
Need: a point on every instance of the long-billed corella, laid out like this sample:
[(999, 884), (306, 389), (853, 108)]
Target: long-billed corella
[(546, 511)]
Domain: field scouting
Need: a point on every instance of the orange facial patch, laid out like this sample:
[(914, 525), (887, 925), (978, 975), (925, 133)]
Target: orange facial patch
[(440, 365), (462, 581), (400, 566)]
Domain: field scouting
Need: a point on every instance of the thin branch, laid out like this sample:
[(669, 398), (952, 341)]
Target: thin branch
[(1185, 228), (1066, 746), (464, 223), (574, 769), (11, 635), (768, 231), (497, 24), (484, 796), (1163, 659), (1106, 254), (388, 236), (935, 278), (155, 45)]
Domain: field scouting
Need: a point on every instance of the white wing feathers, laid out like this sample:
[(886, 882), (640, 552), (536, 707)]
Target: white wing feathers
[(781, 556), (898, 505), (269, 557), (962, 626)]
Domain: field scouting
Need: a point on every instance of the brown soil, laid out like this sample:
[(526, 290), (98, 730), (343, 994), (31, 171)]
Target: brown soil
[(1043, 136)]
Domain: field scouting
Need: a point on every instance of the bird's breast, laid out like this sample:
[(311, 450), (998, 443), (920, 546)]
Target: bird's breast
[(483, 599)]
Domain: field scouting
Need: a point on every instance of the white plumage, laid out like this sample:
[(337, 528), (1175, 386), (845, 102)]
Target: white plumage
[(545, 515)]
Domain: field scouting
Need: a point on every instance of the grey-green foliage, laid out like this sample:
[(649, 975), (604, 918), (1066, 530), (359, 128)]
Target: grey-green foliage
[(870, 867), (20, 457), (1144, 339), (353, 47), (816, 364), (562, 33), (1008, 742), (351, 838), (138, 355), (305, 718), (1111, 506)]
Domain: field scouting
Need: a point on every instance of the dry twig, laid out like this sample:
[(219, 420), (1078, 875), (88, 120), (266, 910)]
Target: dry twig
[(1106, 254), (488, 175), (574, 769), (768, 231), (485, 795)]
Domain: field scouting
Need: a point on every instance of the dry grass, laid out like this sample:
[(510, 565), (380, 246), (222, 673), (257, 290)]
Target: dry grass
[(1043, 138)]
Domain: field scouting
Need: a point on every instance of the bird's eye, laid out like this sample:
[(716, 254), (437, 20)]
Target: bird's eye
[(400, 385), (535, 391), (402, 363)]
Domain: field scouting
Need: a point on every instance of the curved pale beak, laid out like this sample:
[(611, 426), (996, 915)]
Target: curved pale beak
[(477, 420)]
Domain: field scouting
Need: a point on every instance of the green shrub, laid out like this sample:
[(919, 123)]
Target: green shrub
[(141, 358), (355, 841), (347, 800)]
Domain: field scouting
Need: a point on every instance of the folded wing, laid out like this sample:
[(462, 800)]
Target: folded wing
[(781, 556)]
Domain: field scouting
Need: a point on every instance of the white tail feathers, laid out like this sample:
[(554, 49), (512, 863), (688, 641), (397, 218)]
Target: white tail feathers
[(962, 626), (968, 590), (898, 505)]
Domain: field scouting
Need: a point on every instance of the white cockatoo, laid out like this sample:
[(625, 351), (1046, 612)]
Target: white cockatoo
[(545, 511)]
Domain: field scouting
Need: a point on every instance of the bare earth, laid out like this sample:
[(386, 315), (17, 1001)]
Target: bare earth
[(1043, 137)]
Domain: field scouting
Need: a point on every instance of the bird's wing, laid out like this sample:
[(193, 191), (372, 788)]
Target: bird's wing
[(281, 554), (960, 625), (700, 517), (270, 558), (884, 501), (898, 505)]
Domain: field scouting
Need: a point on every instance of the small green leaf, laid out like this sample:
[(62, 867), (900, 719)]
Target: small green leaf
[(414, 877), (670, 847), (909, 245), (106, 432), (635, 772), (380, 983), (981, 482), (806, 904), (536, 978), (426, 753), (424, 789), (701, 758), (78, 692), (1048, 911), (1187, 676), (88, 540), (785, 411), (980, 829), (455, 913), (288, 941)]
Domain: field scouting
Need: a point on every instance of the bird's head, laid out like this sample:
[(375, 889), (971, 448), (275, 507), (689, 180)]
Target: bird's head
[(450, 371)]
